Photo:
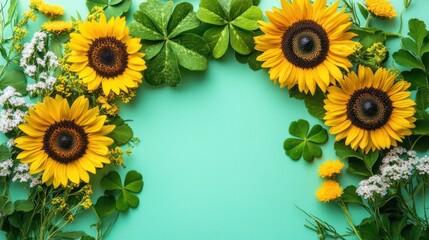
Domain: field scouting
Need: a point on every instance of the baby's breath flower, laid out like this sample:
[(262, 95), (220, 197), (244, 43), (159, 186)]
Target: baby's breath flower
[(330, 190), (381, 8), (330, 168), (375, 186)]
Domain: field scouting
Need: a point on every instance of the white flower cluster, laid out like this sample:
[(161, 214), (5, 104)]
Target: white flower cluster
[(398, 165), (35, 58), (12, 114), (5, 167), (22, 175)]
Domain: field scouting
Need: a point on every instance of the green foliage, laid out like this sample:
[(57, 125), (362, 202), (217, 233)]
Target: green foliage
[(313, 103), (306, 143), (112, 8), (127, 197), (234, 24), (359, 163), (15, 78), (122, 133), (4, 152), (167, 41)]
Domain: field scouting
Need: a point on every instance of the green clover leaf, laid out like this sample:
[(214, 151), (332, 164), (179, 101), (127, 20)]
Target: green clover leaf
[(112, 181), (167, 42), (122, 133), (233, 24), (306, 143), (112, 8)]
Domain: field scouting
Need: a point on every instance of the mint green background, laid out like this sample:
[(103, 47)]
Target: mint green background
[(212, 158)]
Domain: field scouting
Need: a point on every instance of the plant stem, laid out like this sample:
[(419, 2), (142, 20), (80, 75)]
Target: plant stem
[(348, 218)]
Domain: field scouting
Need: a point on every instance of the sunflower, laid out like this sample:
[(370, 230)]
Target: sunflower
[(381, 8), (369, 110), (63, 142), (104, 53), (305, 44)]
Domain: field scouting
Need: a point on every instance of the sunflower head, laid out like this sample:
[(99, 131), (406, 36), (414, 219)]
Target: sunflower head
[(103, 53), (306, 44), (64, 142), (329, 191), (381, 8), (369, 110)]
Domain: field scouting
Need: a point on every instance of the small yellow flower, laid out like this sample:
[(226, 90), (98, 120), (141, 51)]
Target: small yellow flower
[(47, 9), (381, 8), (57, 27), (330, 168), (330, 190)]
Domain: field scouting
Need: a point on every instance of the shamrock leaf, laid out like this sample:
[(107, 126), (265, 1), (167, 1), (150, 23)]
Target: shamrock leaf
[(167, 42), (112, 8), (133, 184), (233, 24), (306, 143)]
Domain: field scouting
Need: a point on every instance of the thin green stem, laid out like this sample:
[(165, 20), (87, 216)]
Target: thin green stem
[(348, 218)]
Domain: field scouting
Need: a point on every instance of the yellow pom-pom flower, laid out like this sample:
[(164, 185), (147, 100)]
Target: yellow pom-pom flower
[(330, 168), (330, 190), (57, 27), (381, 8), (47, 9)]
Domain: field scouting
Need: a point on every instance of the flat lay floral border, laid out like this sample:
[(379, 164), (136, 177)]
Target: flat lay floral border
[(61, 94)]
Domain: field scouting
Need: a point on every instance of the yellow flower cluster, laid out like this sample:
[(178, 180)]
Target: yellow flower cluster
[(381, 8), (330, 190), (116, 156), (95, 13), (19, 31), (47, 9), (378, 51), (106, 106), (330, 168), (57, 27)]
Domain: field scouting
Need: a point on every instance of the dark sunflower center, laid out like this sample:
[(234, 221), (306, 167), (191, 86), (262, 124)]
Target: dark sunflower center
[(65, 141), (305, 44), (369, 108), (108, 57)]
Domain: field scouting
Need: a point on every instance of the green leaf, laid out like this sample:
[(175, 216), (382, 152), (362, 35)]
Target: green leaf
[(422, 127), (299, 128), (151, 49), (4, 153), (182, 19), (11, 12), (69, 235), (248, 20), (210, 11), (256, 2), (406, 59), (317, 134), (422, 98), (238, 7), (122, 134), (412, 232), (87, 237), (163, 69), (306, 145), (342, 151), (357, 167), (242, 58), (133, 181), (363, 10), (370, 159), (6, 206), (105, 206), (350, 195), (293, 148), (92, 3), (111, 181), (410, 45), (143, 28), (218, 40), (23, 205), (253, 63), (118, 9), (191, 51), (241, 40), (417, 30), (56, 46), (14, 78), (159, 13), (416, 77), (115, 2), (126, 200), (368, 229)]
